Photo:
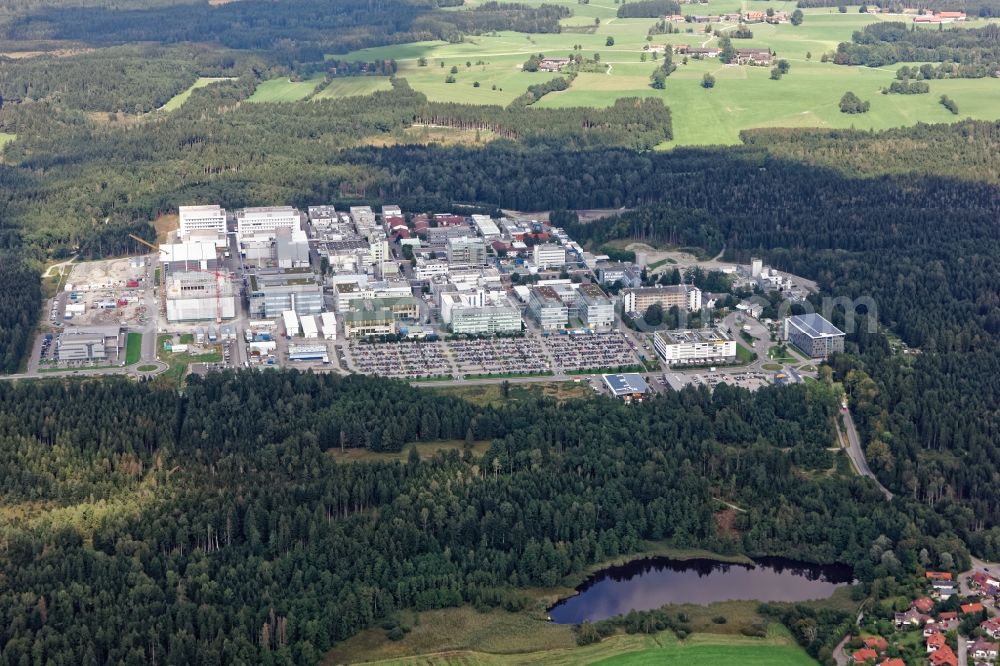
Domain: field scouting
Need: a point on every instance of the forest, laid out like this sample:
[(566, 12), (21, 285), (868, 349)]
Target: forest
[(648, 9), (303, 31), (131, 79), (217, 526), (885, 43)]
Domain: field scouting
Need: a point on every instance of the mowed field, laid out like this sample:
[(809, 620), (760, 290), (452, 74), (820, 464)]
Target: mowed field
[(5, 138), (285, 90), (743, 97), (464, 637), (178, 100)]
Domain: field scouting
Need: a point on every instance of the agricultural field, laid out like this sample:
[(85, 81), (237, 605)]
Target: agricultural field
[(744, 97), (285, 90), (353, 86), (5, 138), (177, 101)]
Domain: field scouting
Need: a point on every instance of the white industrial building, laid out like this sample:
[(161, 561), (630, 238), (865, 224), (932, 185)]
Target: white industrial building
[(191, 255), (266, 221), (546, 255), (639, 299), (193, 296), (291, 248), (428, 268), (697, 347), (486, 227), (310, 329), (91, 343), (291, 321), (467, 251), (329, 325), (207, 220)]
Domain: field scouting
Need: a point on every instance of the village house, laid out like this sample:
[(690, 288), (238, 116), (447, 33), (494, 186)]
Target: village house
[(753, 56), (943, 656), (991, 627), (983, 650), (777, 17), (754, 16), (923, 604), (911, 617), (877, 643), (895, 661), (938, 575), (935, 642), (553, 64), (969, 609), (863, 655)]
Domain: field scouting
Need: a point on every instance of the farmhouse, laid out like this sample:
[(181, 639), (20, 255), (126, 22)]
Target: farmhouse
[(553, 64), (700, 52), (754, 16), (753, 56)]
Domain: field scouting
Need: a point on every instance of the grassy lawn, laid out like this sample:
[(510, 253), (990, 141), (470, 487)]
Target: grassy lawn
[(187, 338), (177, 101), (775, 354), (285, 90), (771, 367), (5, 138), (133, 348), (178, 365), (146, 368), (743, 97), (744, 355), (492, 394), (353, 86), (425, 449)]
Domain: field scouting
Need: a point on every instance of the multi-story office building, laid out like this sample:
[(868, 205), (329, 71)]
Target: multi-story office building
[(194, 220), (479, 311), (814, 335), (547, 255), (467, 252), (597, 312), (547, 308), (681, 295), (699, 347), (264, 222), (274, 291)]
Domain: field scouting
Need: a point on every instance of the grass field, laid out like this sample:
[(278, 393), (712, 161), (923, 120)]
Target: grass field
[(285, 90), (743, 97), (425, 449), (353, 86), (177, 101), (133, 348), (5, 138), (464, 637)]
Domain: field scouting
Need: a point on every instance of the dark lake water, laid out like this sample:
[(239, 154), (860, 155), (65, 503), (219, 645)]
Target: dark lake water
[(651, 583)]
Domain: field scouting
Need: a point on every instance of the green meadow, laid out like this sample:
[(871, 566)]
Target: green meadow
[(178, 100), (743, 97), (353, 86), (285, 90), (5, 138)]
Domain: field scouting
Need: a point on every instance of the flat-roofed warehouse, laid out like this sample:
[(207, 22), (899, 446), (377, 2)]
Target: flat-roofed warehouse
[(814, 335), (90, 343), (628, 386)]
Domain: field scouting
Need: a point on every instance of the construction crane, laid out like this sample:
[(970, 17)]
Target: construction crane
[(219, 280)]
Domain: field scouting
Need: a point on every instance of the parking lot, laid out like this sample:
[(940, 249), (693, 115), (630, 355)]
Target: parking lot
[(748, 379), (585, 352), (402, 360), (500, 356)]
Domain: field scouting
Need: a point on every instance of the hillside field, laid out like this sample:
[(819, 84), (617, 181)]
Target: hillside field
[(743, 97), (178, 100)]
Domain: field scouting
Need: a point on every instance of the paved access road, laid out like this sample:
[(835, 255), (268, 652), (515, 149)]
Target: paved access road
[(856, 454)]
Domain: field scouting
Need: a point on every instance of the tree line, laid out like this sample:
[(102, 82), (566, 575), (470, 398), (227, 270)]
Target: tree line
[(885, 43)]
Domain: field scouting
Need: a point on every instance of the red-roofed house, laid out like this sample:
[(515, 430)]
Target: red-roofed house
[(943, 657), (877, 643), (932, 628), (991, 627), (863, 655), (947, 616), (939, 575), (895, 661), (951, 16), (968, 609), (935, 642), (923, 604)]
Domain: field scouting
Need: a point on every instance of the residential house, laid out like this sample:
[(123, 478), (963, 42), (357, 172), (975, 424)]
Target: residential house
[(754, 16), (895, 661), (946, 617), (943, 656), (911, 617), (991, 627), (923, 604), (552, 64), (935, 642), (983, 650), (969, 609), (863, 655), (877, 643), (938, 575)]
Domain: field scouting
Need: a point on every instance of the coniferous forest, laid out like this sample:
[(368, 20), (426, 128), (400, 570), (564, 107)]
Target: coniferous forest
[(220, 523)]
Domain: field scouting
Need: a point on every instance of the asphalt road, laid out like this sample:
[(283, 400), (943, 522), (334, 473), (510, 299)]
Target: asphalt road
[(856, 454)]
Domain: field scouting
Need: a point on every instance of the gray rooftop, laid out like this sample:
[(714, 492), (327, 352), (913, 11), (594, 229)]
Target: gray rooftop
[(814, 326)]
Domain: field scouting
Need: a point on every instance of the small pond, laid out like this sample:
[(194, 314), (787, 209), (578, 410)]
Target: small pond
[(650, 583)]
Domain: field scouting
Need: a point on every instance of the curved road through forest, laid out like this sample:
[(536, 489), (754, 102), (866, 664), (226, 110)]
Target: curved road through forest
[(855, 453)]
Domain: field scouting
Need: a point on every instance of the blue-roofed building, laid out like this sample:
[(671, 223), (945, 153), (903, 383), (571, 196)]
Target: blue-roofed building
[(629, 386), (814, 335)]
